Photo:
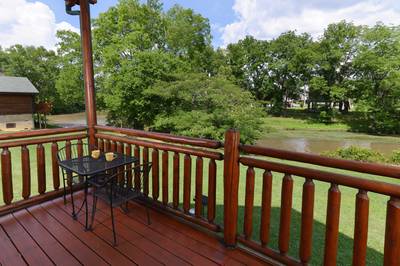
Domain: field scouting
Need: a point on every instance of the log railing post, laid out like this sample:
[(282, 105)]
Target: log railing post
[(231, 186), (88, 73)]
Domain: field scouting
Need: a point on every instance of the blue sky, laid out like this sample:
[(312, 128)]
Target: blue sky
[(34, 22)]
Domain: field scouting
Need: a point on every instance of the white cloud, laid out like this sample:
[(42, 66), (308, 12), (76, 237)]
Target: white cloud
[(266, 19), (29, 23)]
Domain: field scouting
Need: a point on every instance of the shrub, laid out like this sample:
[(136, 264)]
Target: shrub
[(358, 154), (395, 158)]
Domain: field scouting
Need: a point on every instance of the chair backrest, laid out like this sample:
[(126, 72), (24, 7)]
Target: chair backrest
[(74, 151), (126, 177)]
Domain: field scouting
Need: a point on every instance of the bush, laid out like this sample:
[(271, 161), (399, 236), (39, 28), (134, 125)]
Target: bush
[(326, 117), (358, 154), (200, 106), (395, 158)]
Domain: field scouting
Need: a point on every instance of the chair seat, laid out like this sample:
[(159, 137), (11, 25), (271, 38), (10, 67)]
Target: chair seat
[(120, 195)]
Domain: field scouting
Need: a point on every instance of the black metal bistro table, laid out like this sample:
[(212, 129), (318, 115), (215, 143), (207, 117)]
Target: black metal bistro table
[(87, 167)]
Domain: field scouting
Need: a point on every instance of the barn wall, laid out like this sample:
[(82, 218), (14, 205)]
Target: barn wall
[(22, 122), (16, 104)]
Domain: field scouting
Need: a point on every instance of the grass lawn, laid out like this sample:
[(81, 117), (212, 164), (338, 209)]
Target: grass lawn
[(376, 222)]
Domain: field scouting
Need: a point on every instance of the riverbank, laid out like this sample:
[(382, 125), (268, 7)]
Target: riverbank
[(304, 135)]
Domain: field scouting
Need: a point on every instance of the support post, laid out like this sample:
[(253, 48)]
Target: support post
[(231, 186), (88, 73)]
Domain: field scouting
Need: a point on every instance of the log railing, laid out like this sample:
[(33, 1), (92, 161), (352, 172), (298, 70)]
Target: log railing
[(167, 186), (309, 173), (185, 172), (21, 153)]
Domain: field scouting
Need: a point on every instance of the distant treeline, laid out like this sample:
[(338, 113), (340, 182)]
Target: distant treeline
[(157, 69)]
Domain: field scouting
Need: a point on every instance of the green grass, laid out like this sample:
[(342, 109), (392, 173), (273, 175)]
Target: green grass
[(376, 221)]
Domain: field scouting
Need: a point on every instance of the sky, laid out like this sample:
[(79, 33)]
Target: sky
[(35, 22)]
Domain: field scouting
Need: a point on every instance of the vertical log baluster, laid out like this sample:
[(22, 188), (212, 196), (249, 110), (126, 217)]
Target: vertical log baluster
[(165, 177), (176, 163), (6, 173), (155, 173), (119, 147), (107, 145), (249, 203), (113, 146), (392, 233), (187, 176), (41, 169), (199, 187), (286, 208), (146, 172), (361, 228), (332, 225), (68, 156), (136, 152), (100, 144), (212, 187), (68, 149), (80, 147), (128, 152), (26, 172), (266, 208), (54, 166), (307, 218)]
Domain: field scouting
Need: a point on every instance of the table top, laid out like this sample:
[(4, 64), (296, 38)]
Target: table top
[(88, 166)]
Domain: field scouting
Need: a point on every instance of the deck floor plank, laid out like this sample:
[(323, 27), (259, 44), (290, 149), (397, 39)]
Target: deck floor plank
[(73, 244), (46, 234), (57, 253), (103, 220), (28, 248), (102, 248), (9, 254)]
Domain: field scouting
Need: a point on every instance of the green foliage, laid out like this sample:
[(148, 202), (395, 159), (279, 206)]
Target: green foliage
[(358, 154), (69, 84), (36, 63), (395, 158), (201, 106), (378, 79)]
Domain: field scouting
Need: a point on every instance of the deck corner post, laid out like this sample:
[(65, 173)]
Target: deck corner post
[(231, 186), (88, 73)]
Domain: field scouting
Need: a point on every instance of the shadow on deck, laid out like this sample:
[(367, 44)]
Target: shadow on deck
[(46, 234)]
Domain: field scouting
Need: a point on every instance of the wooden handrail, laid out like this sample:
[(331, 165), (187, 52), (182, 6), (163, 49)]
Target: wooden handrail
[(163, 146), (40, 133), (205, 143), (356, 166), (18, 143), (339, 179)]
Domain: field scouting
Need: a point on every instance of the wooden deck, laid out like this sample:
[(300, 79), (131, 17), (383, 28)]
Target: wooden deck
[(46, 234)]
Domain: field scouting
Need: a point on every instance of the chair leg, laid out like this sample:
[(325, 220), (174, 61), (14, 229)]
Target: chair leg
[(113, 225), (86, 207), (93, 211), (65, 192), (72, 201)]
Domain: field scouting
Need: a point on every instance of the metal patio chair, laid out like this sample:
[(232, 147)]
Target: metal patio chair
[(116, 190)]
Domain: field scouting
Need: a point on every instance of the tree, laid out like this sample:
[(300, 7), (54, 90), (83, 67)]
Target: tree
[(337, 49), (201, 106), (69, 83), (377, 75), (188, 36), (36, 63), (247, 60)]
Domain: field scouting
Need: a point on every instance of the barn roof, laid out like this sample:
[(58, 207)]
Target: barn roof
[(16, 85)]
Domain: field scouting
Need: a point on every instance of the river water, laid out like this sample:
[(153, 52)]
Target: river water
[(315, 145)]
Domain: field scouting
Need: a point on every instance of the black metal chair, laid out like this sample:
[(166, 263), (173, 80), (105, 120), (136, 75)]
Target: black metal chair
[(69, 152), (116, 190)]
